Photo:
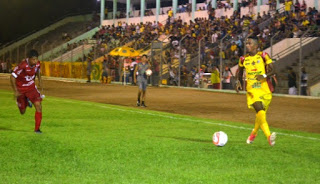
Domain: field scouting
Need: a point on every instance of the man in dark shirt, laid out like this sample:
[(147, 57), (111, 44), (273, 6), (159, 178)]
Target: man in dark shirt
[(292, 82)]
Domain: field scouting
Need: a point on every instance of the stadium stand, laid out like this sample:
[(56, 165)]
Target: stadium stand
[(211, 26)]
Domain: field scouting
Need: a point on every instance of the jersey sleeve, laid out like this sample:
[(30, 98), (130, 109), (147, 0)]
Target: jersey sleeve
[(266, 58), (18, 70), (241, 60)]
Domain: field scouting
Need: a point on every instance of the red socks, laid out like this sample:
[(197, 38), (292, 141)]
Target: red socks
[(38, 118)]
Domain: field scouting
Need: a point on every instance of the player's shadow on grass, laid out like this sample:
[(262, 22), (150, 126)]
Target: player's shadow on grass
[(9, 129), (187, 139)]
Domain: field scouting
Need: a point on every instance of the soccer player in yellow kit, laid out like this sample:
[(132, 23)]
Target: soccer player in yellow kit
[(258, 66)]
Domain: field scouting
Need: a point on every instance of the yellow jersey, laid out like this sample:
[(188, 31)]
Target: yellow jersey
[(287, 5), (255, 65)]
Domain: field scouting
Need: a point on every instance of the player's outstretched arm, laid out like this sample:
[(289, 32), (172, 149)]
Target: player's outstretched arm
[(239, 79), (270, 70), (135, 74), (39, 79), (14, 86)]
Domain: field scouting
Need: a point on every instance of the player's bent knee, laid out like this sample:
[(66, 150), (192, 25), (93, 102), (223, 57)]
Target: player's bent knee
[(38, 106), (258, 106)]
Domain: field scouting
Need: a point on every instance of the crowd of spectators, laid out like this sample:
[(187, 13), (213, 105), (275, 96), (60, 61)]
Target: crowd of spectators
[(290, 23)]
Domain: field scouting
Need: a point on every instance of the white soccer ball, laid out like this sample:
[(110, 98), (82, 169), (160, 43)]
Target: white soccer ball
[(220, 138), (149, 72)]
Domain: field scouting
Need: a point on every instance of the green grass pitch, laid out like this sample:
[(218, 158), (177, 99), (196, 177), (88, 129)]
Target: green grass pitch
[(86, 142)]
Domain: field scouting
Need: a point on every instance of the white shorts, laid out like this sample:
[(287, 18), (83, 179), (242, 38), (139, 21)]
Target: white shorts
[(293, 91)]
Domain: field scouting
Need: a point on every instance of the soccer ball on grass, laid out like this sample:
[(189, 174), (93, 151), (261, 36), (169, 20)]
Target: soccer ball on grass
[(220, 138)]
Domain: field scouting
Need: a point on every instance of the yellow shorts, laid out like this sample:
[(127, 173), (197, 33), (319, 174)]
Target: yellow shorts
[(265, 98)]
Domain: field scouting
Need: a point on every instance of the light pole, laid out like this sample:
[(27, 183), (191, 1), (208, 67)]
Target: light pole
[(42, 54), (300, 60), (221, 45), (199, 58), (180, 47), (25, 49)]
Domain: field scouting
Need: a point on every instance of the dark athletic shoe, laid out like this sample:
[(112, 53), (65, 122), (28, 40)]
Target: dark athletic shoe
[(143, 105), (138, 103), (38, 131), (29, 103)]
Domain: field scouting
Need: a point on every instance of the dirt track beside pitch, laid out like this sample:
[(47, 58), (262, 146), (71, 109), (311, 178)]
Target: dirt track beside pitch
[(287, 113)]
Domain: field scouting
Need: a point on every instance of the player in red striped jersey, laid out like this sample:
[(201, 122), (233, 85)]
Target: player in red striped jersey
[(24, 87)]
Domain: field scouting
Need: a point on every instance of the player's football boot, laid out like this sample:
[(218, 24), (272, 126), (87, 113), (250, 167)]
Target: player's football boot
[(138, 103), (272, 139), (143, 105), (38, 131), (29, 103), (251, 139)]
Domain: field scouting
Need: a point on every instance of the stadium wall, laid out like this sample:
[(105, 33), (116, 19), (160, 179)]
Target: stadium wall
[(52, 27), (84, 36), (315, 90), (76, 70), (292, 54)]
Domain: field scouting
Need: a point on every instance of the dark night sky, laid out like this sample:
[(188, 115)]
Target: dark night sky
[(19, 17)]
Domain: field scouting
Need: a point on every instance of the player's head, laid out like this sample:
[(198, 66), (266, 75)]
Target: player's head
[(252, 44), (144, 58), (33, 57)]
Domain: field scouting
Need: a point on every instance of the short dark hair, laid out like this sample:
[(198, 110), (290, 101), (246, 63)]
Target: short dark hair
[(33, 53), (254, 37), (145, 55)]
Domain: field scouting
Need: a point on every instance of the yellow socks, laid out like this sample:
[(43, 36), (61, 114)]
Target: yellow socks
[(261, 118), (256, 126)]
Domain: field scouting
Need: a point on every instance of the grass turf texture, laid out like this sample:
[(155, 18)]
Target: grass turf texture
[(85, 142)]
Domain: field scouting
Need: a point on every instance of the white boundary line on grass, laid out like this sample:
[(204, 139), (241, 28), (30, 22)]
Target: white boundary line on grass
[(172, 117), (184, 119)]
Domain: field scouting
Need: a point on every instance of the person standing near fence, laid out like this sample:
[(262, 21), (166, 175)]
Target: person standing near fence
[(215, 78), (89, 67), (104, 70), (304, 82), (141, 78), (258, 66), (292, 78), (132, 68), (226, 79), (24, 87)]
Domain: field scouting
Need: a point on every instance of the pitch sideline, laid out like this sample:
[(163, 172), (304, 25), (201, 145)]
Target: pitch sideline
[(184, 119), (172, 117)]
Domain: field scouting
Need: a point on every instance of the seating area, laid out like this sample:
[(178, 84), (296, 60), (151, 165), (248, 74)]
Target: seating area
[(210, 30), (51, 40)]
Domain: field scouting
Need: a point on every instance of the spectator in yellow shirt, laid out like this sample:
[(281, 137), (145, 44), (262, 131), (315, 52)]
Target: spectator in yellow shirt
[(170, 13), (215, 78), (246, 23), (233, 46), (142, 29), (287, 8), (305, 22)]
